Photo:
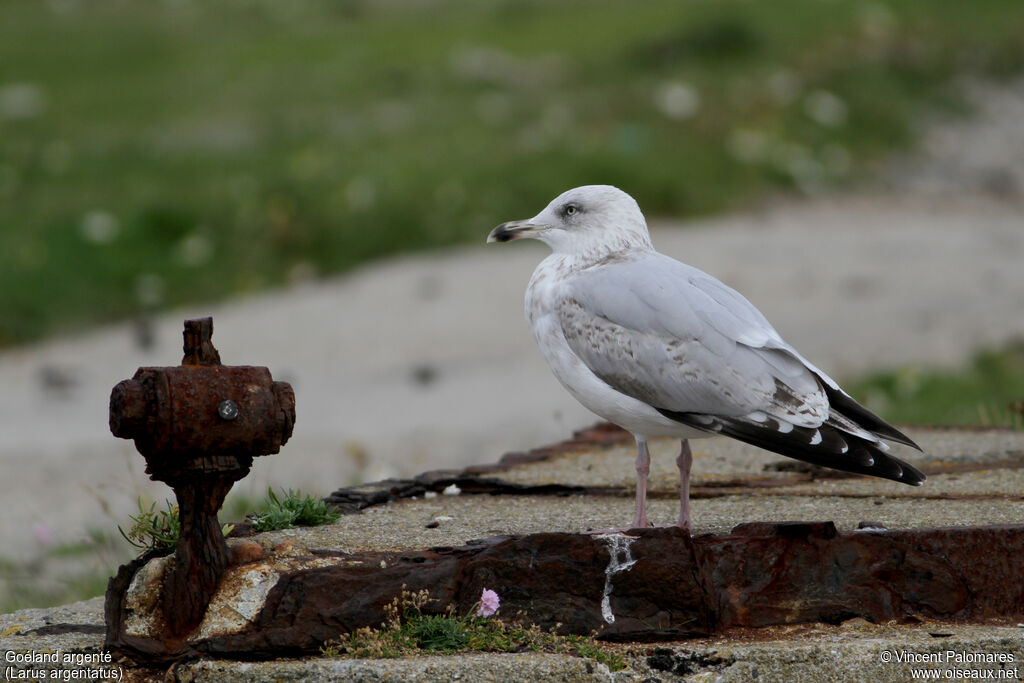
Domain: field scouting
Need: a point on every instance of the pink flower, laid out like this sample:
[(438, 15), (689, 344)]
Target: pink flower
[(489, 603), (44, 534)]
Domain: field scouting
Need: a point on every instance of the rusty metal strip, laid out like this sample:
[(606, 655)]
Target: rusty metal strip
[(676, 586)]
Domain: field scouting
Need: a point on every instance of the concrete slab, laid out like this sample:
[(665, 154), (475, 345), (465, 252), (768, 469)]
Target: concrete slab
[(975, 478), (853, 651)]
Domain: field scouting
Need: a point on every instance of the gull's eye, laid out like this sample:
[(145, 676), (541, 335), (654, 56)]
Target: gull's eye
[(571, 209)]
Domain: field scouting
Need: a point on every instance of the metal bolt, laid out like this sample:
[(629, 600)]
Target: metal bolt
[(228, 410)]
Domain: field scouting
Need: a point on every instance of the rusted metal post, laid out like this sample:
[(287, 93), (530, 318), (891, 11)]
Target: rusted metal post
[(198, 426)]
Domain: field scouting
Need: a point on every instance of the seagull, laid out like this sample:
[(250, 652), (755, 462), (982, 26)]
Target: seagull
[(661, 348)]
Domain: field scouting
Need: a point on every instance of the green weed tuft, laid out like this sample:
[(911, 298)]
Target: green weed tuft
[(294, 509), (154, 529), (409, 631), (438, 633), (160, 529)]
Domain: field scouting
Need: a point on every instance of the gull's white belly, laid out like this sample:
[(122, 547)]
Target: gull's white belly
[(586, 387)]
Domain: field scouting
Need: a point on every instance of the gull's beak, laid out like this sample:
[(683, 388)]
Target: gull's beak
[(513, 230)]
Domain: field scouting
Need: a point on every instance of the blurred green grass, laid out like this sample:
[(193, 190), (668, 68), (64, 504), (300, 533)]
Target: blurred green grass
[(153, 154), (57, 574), (987, 391)]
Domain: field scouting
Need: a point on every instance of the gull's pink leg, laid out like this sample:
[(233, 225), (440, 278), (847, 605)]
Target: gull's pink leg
[(643, 468), (683, 462)]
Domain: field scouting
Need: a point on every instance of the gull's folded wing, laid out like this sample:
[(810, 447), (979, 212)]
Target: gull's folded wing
[(697, 351)]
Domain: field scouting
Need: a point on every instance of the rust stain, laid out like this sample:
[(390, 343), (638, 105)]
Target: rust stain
[(756, 582)]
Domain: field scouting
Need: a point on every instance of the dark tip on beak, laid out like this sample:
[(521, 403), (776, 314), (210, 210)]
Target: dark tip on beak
[(506, 232), (502, 233)]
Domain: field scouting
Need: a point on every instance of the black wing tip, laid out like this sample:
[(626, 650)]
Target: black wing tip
[(910, 475), (847, 406), (896, 436), (833, 449)]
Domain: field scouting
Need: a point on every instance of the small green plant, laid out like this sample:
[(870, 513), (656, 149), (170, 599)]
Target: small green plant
[(439, 633), (154, 529), (294, 509), (408, 631)]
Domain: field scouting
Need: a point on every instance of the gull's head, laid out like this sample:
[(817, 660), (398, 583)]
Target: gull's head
[(593, 220)]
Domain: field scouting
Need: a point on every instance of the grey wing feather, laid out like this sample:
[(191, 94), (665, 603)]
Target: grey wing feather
[(700, 353), (674, 337)]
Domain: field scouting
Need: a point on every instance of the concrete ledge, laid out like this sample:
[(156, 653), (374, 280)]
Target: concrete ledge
[(852, 651), (477, 667), (976, 479)]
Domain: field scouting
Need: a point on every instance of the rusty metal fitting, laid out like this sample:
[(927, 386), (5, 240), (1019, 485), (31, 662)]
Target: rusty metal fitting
[(175, 416), (199, 426)]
